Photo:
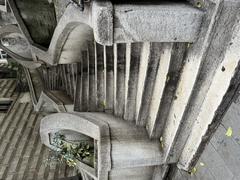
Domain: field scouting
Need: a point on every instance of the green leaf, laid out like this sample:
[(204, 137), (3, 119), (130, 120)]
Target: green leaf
[(161, 143), (229, 132), (193, 171)]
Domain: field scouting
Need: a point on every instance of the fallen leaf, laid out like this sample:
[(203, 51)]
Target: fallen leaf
[(167, 78), (202, 164), (199, 4), (193, 171), (161, 142), (229, 132)]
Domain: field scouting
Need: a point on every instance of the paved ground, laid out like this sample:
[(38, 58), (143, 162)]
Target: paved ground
[(221, 158), (22, 155)]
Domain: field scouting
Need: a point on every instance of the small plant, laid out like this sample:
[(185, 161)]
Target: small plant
[(71, 151)]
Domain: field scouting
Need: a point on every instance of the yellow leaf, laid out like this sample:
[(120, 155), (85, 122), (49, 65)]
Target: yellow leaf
[(193, 171), (167, 78), (161, 142), (189, 45), (229, 132), (202, 164), (199, 4)]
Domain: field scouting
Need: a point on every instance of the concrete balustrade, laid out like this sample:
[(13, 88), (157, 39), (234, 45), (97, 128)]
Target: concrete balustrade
[(120, 146), (166, 73)]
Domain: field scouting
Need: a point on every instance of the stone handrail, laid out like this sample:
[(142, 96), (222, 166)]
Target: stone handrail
[(91, 127), (26, 62), (71, 19), (96, 22)]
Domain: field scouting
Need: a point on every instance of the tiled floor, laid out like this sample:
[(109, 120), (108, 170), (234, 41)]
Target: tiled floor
[(221, 158), (22, 155)]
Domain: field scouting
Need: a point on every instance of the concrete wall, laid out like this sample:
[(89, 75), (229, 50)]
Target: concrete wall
[(39, 17)]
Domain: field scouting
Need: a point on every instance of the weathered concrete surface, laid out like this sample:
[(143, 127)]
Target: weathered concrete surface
[(214, 57), (102, 22), (109, 61), (7, 18), (147, 88), (226, 70), (133, 55), (17, 44), (114, 23), (100, 77), (194, 58), (20, 50), (163, 22), (69, 21), (119, 78), (144, 154), (88, 126), (220, 157)]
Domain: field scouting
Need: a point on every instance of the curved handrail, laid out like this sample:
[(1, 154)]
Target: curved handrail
[(26, 62), (84, 124), (31, 87), (71, 19)]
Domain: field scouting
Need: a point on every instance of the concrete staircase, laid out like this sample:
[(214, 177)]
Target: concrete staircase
[(171, 69), (131, 81), (156, 86)]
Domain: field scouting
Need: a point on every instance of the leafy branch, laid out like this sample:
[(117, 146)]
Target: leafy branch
[(70, 151)]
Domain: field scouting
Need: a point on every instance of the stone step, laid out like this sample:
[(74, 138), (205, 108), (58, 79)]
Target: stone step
[(100, 77), (109, 60), (85, 82), (142, 76), (133, 55), (119, 78), (164, 88), (154, 58), (92, 78)]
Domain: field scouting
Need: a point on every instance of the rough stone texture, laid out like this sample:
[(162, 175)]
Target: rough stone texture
[(87, 125), (143, 155), (163, 22), (194, 59), (119, 78), (219, 92), (133, 55), (98, 18), (100, 76), (102, 22), (109, 59), (156, 97), (156, 60), (176, 65), (7, 18), (69, 21), (3, 6)]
